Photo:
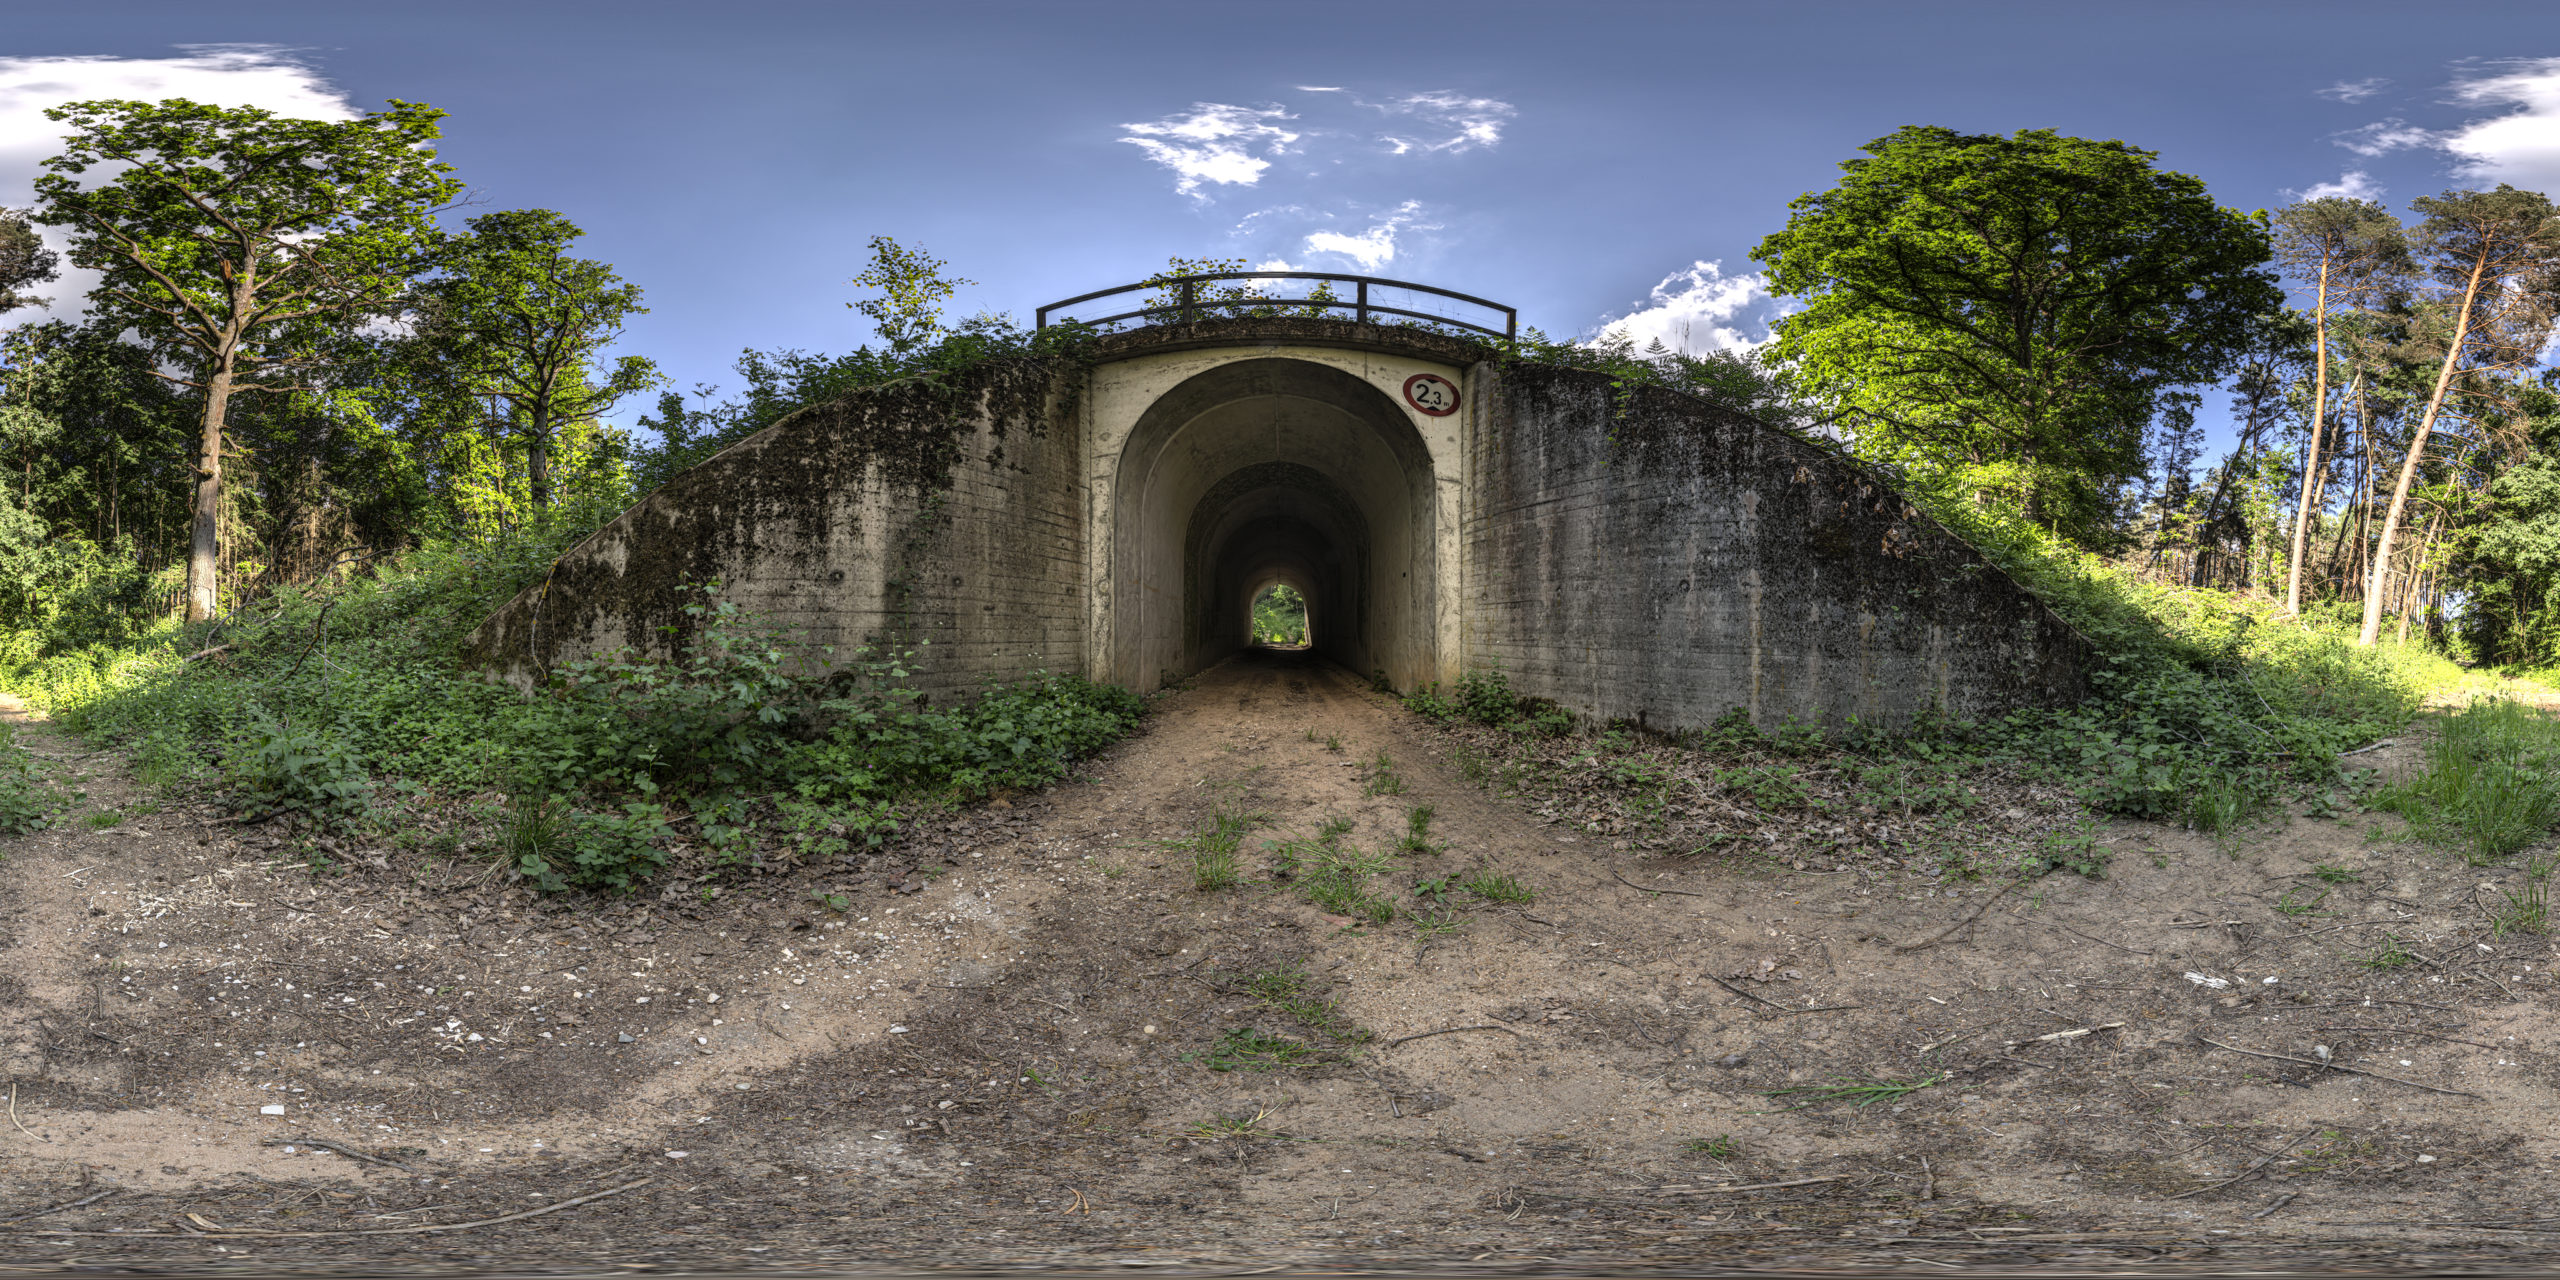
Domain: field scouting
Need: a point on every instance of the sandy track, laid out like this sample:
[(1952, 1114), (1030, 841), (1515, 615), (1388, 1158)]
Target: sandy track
[(997, 1051)]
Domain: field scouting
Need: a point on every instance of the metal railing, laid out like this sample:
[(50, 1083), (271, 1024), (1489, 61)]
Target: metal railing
[(1189, 306)]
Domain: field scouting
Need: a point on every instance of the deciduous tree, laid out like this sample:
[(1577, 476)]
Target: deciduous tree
[(218, 229), (2011, 309), (515, 317), (23, 260)]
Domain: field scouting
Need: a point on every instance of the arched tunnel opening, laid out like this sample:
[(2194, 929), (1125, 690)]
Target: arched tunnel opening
[(1274, 471)]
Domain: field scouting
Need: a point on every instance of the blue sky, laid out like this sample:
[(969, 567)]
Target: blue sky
[(1588, 163)]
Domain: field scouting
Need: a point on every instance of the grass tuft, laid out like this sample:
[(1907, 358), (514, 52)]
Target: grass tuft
[(2488, 787), (1855, 1091)]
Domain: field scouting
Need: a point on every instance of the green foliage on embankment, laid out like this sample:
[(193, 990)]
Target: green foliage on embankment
[(340, 705)]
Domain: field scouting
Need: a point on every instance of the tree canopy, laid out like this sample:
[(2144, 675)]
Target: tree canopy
[(2010, 310)]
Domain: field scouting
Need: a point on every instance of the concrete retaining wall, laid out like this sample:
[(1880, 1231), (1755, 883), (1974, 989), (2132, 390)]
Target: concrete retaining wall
[(951, 522), (1679, 562)]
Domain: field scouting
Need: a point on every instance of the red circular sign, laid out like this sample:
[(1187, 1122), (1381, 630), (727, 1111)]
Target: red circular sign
[(1432, 394)]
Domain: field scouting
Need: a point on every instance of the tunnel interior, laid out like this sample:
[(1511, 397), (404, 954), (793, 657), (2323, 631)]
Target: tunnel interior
[(1274, 470)]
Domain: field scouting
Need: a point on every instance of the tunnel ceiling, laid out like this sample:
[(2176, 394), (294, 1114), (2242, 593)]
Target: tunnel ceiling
[(1275, 520)]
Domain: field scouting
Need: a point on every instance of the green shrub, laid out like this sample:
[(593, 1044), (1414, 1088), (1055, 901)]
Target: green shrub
[(1428, 703), (1484, 696), (28, 800), (276, 768)]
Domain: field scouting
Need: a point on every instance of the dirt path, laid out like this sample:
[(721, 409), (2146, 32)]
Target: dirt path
[(1005, 1047)]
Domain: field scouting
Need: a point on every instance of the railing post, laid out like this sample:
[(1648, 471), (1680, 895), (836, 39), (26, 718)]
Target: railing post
[(1362, 315), (1190, 301)]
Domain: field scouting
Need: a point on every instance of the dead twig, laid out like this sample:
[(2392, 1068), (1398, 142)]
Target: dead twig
[(60, 1207), (2261, 1163), (1747, 995), (1685, 893), (1481, 1026), (2386, 742), (1953, 929), (2278, 1203), (1928, 1180), (13, 1114), (2076, 933), (323, 1144), (2412, 1031), (2376, 1075), (219, 1232), (1748, 1186)]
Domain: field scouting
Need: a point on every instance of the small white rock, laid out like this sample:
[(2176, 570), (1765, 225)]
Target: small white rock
[(272, 1109)]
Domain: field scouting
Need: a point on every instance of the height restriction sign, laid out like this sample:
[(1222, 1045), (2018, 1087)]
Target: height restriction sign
[(1432, 394)]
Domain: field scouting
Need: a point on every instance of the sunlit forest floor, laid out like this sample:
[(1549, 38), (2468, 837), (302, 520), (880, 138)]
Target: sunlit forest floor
[(1025, 1033)]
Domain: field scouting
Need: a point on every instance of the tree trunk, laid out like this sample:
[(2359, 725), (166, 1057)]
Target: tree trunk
[(2311, 456), (2341, 565), (537, 456), (2417, 446), (203, 600)]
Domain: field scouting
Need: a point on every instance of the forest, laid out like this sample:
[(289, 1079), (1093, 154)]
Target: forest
[(2294, 468)]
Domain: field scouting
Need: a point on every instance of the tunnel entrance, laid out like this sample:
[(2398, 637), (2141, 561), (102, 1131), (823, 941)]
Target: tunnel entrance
[(1266, 472)]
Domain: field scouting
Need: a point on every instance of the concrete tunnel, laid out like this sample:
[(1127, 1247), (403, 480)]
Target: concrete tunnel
[(1273, 470)]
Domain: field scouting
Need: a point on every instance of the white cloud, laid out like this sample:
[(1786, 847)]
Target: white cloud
[(1457, 122), (230, 75), (1694, 310), (1375, 247), (2521, 146), (1214, 142), (2354, 90), (2385, 136), (2354, 184)]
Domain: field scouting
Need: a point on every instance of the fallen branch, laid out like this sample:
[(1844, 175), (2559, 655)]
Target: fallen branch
[(2073, 1034), (1685, 893), (60, 1207), (233, 1233), (2374, 1075), (1951, 930), (2386, 742), (1481, 1026)]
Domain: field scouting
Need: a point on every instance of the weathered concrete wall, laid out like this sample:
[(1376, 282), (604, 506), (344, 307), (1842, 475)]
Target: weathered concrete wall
[(1678, 562), (897, 516), (1664, 565)]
